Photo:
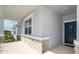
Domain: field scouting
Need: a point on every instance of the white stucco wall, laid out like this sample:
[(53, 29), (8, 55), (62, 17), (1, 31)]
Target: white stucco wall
[(48, 23), (77, 22), (70, 16), (19, 29), (37, 17), (52, 27), (1, 22)]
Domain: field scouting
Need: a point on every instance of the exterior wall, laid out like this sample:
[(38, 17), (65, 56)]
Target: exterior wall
[(19, 29), (51, 25), (47, 23), (76, 42), (1, 22), (22, 27), (77, 22), (68, 18), (1, 25), (37, 17)]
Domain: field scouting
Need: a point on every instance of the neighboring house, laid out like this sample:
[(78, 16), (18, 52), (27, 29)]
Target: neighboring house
[(43, 27)]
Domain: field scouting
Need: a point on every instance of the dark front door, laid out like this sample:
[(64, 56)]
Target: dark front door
[(70, 32)]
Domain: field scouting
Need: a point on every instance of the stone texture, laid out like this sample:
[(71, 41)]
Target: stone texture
[(44, 46), (76, 49), (38, 46), (1, 39)]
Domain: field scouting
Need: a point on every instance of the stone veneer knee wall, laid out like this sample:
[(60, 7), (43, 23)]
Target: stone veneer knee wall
[(37, 45)]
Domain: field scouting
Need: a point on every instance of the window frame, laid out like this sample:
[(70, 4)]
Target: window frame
[(28, 27), (26, 19)]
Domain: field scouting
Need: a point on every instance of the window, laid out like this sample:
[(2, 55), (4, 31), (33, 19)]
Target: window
[(28, 27)]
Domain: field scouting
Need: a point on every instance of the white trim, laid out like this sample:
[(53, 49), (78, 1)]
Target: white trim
[(69, 20), (64, 28), (26, 18), (32, 25), (68, 44)]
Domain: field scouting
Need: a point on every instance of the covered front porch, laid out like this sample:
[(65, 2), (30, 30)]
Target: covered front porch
[(41, 29)]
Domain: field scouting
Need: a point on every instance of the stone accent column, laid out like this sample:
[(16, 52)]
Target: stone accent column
[(76, 48)]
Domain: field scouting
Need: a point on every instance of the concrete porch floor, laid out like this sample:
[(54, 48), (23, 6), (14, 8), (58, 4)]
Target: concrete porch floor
[(22, 48), (62, 49), (15, 48)]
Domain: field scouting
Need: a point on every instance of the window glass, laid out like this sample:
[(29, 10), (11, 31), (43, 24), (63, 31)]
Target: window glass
[(28, 26)]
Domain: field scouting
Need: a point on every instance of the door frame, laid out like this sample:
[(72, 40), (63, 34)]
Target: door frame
[(72, 20)]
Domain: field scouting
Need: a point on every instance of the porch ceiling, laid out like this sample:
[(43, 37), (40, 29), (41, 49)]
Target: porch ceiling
[(63, 9), (18, 12)]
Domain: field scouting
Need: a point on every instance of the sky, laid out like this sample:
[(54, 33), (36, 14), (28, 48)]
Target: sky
[(8, 24)]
